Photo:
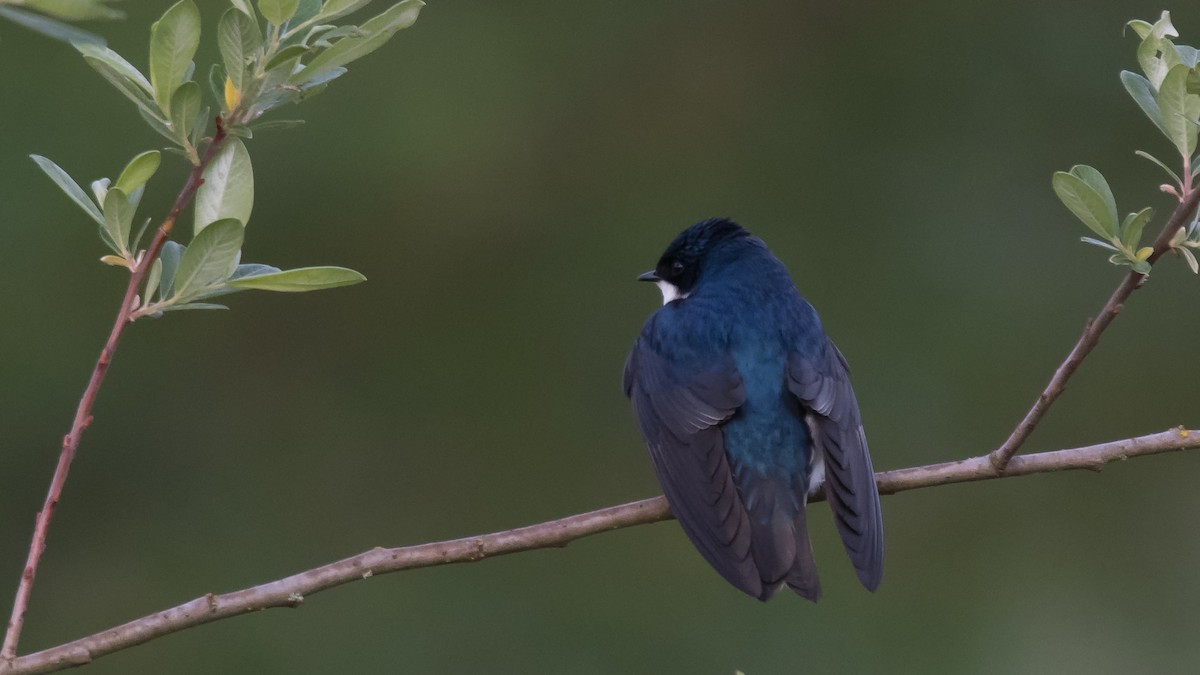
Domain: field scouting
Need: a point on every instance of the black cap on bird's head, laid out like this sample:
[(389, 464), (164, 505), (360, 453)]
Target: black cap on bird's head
[(680, 266)]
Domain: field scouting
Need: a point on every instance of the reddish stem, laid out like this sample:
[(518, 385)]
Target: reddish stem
[(83, 413)]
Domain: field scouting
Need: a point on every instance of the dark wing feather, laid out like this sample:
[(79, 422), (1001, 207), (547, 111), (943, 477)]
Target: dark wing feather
[(679, 413), (822, 383)]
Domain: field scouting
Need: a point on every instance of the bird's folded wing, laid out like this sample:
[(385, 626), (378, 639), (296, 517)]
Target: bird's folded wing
[(678, 409), (822, 383)]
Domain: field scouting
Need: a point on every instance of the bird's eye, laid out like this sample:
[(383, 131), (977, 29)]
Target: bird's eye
[(676, 268)]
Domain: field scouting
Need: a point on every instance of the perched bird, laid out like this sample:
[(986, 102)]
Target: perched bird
[(746, 407)]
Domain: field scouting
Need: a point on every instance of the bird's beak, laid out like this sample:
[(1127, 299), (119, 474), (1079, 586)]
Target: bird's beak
[(649, 276)]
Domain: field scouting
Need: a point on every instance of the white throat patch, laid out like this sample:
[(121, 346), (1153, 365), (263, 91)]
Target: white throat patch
[(670, 291)]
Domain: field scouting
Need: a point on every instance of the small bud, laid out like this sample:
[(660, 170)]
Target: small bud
[(1144, 252), (114, 260), (232, 95)]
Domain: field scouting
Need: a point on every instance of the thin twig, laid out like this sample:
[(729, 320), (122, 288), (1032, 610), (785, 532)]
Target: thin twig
[(1001, 456), (83, 413), (291, 591)]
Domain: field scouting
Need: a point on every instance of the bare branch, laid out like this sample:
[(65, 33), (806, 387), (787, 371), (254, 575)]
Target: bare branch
[(1001, 456), (291, 591), (83, 413)]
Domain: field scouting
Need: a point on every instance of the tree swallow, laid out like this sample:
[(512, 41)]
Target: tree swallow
[(746, 408)]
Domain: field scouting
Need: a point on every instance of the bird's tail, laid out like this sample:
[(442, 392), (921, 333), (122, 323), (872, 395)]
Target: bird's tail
[(782, 552)]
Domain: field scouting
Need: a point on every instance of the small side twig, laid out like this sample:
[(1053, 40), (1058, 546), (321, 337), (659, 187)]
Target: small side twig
[(1001, 456), (83, 412), (291, 591)]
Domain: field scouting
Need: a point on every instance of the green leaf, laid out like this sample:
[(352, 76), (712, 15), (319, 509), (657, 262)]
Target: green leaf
[(299, 280), (244, 7), (192, 305), (1164, 167), (1087, 204), (278, 11), (139, 171), (68, 185), (333, 9), (276, 125), (1188, 56), (1177, 106), (1190, 258), (1143, 94), (1131, 229), (75, 10), (209, 259), (239, 38), (286, 54), (137, 238), (172, 253), (118, 218), (228, 189), (117, 62), (185, 108), (49, 27), (1140, 266), (305, 10), (163, 129), (1095, 180), (253, 270), (1097, 242), (378, 31), (152, 280), (173, 42)]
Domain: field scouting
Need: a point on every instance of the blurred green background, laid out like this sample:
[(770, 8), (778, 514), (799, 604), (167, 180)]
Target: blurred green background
[(501, 172)]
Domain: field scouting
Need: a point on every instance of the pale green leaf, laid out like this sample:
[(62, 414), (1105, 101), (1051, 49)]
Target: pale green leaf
[(152, 280), (100, 189), (1131, 228), (1099, 185), (51, 28), (118, 218), (209, 259), (75, 10), (1085, 203), (333, 9), (1176, 106), (192, 305), (1164, 167), (1143, 94), (117, 62), (244, 7), (1190, 258), (228, 189), (173, 42), (68, 185), (239, 38), (378, 31), (172, 253), (139, 171), (287, 54), (185, 109), (300, 280), (1097, 242), (277, 11)]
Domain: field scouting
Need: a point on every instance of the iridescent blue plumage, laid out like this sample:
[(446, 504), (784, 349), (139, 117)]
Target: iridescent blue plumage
[(741, 399)]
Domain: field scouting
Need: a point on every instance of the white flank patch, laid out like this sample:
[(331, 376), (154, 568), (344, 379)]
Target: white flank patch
[(816, 463), (670, 291)]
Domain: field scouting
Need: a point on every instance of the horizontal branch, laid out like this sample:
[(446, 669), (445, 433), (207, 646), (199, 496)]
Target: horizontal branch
[(291, 591)]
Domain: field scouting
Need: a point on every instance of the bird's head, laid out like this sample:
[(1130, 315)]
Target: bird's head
[(701, 247)]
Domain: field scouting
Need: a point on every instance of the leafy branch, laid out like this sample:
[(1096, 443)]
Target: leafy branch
[(293, 53), (1169, 94), (291, 591), (256, 75)]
